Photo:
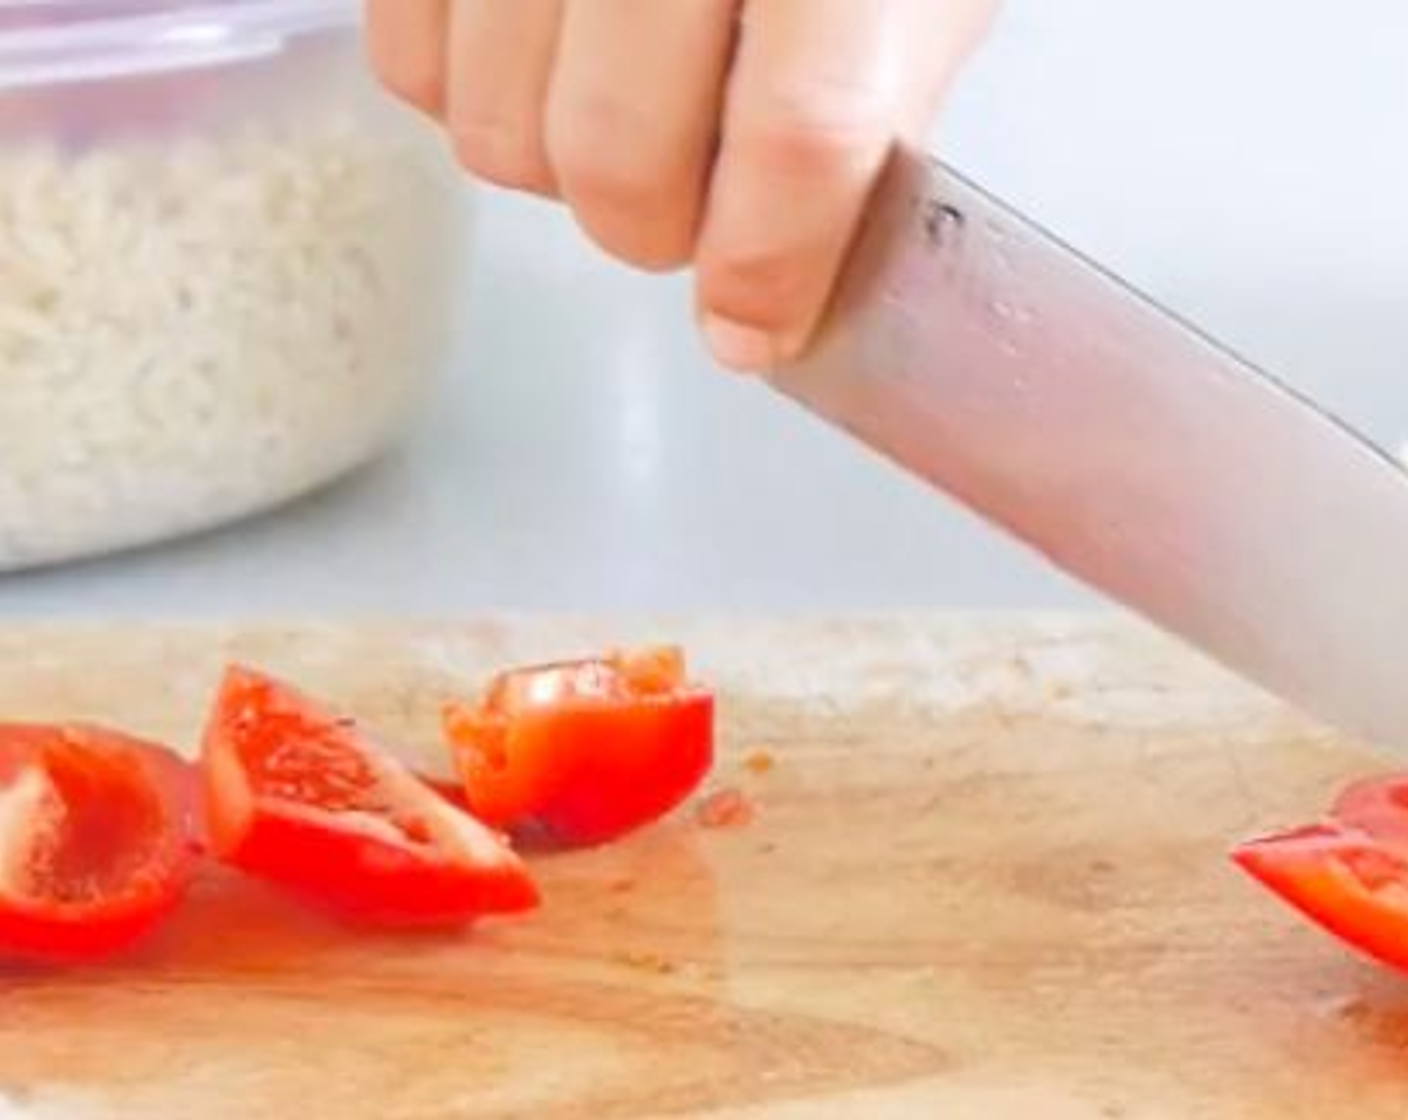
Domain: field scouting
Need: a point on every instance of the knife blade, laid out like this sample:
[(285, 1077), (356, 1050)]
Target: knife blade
[(997, 363)]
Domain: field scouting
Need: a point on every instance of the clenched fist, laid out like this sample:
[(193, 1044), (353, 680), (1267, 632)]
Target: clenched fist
[(739, 136)]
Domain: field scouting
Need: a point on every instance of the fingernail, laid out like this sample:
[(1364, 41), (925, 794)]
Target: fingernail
[(739, 347)]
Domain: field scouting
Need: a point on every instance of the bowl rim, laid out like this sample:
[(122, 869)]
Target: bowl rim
[(55, 42)]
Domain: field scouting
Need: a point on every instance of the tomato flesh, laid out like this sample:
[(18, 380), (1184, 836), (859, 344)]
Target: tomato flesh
[(584, 751), (301, 797), (1378, 806), (1349, 872), (97, 840)]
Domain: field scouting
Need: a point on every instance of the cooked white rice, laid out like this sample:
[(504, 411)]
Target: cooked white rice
[(193, 330)]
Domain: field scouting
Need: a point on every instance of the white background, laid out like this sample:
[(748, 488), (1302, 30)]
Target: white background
[(1246, 161)]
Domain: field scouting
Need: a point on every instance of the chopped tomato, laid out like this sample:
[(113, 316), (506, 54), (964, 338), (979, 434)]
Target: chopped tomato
[(97, 840), (1379, 806), (306, 799), (587, 750), (1349, 872), (449, 789)]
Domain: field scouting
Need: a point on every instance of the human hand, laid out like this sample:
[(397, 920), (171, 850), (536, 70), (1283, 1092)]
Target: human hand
[(740, 136)]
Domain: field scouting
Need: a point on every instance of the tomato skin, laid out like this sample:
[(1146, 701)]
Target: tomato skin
[(1341, 878), (1348, 873), (583, 751), (395, 854), (367, 881), (118, 793)]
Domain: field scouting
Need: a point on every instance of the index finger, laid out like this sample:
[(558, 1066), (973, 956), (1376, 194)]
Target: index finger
[(821, 89)]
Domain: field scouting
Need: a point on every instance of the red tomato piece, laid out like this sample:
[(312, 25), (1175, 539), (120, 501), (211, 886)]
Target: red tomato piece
[(1343, 879), (449, 789), (1349, 872), (1378, 806), (587, 750), (97, 840), (303, 798)]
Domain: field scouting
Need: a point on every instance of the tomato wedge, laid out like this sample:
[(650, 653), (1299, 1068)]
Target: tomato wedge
[(97, 840), (303, 798), (584, 751), (1349, 872), (1379, 806)]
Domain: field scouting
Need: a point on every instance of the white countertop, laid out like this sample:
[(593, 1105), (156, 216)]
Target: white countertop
[(1246, 163)]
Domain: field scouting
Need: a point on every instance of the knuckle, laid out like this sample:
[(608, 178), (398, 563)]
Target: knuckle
[(589, 120), (500, 157), (633, 204), (818, 129), (600, 156), (764, 288), (596, 180), (635, 224), (607, 151)]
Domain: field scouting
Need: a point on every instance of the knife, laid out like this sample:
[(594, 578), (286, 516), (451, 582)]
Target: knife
[(988, 358)]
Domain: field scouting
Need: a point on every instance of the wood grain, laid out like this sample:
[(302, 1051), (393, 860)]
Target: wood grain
[(986, 878)]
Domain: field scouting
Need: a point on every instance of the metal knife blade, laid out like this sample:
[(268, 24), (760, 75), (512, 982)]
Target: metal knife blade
[(985, 356)]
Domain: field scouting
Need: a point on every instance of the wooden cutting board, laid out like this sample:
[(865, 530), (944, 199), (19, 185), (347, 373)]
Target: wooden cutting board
[(986, 878)]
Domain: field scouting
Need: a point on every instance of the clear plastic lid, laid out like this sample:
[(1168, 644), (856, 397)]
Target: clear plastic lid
[(49, 42)]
